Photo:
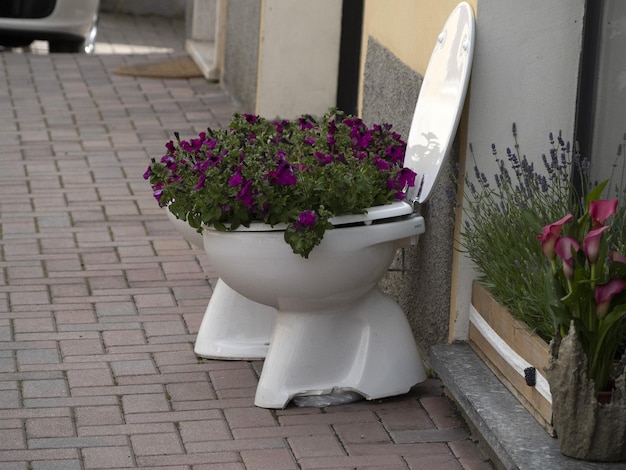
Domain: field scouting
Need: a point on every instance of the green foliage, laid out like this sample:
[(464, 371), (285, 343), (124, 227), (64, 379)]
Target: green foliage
[(503, 216), (299, 173)]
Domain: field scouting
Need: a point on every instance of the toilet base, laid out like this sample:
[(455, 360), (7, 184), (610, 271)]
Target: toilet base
[(234, 327), (367, 347)]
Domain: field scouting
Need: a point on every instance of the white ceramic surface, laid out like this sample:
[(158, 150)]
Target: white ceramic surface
[(440, 102), (335, 331), (233, 327)]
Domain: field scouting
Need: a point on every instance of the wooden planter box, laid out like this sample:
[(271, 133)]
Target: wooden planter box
[(508, 347)]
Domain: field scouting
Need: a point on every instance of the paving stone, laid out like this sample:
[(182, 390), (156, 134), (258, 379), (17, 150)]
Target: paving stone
[(156, 444), (206, 430), (57, 465), (44, 388), (139, 367), (38, 356), (12, 439), (108, 457), (315, 446), (145, 403), (49, 427), (276, 459), (81, 347), (190, 391), (362, 433), (117, 338), (98, 415), (249, 417), (89, 377)]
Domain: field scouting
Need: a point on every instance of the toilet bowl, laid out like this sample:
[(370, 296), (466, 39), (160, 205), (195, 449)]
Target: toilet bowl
[(233, 327), (335, 330)]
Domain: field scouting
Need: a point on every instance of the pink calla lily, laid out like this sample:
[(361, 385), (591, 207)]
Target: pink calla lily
[(591, 243), (550, 234), (601, 210), (617, 257), (605, 293), (564, 247)]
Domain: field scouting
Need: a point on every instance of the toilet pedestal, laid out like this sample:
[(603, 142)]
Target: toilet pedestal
[(366, 348), (234, 327)]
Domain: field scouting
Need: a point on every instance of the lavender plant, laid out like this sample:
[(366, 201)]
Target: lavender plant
[(504, 215), (299, 173)]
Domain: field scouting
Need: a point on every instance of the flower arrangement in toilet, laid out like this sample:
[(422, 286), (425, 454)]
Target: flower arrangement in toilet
[(299, 172)]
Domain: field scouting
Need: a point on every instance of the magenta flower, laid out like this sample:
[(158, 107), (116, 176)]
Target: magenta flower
[(565, 247), (147, 174), (307, 218), (591, 243), (395, 153), (235, 180), (406, 178), (201, 181), (550, 234), (380, 163), (605, 293), (309, 141), (194, 144), (305, 124), (168, 160), (323, 158), (157, 191), (283, 175), (617, 257), (245, 194), (601, 210)]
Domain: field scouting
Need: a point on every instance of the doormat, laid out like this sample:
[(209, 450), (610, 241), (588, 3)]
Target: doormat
[(177, 67)]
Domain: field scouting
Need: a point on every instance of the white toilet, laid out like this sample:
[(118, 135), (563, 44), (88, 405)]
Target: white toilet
[(335, 331), (233, 327)]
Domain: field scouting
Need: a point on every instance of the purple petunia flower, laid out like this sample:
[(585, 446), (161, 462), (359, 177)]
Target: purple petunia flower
[(245, 194), (157, 192), (380, 163), (251, 118), (395, 153), (283, 175), (147, 174), (406, 178), (235, 180), (309, 141), (307, 218), (201, 181), (323, 158)]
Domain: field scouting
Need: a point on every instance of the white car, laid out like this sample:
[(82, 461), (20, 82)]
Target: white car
[(67, 25)]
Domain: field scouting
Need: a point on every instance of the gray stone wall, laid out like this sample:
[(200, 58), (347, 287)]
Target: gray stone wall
[(241, 52), (420, 278)]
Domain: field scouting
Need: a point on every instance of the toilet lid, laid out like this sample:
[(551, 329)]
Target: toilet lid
[(440, 101)]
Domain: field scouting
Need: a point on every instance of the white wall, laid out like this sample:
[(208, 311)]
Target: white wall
[(298, 57), (525, 71)]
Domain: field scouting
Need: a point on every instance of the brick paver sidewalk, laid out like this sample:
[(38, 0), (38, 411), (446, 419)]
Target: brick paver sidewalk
[(100, 298)]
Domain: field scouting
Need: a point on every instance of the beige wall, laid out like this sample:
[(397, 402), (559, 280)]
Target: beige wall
[(408, 28)]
